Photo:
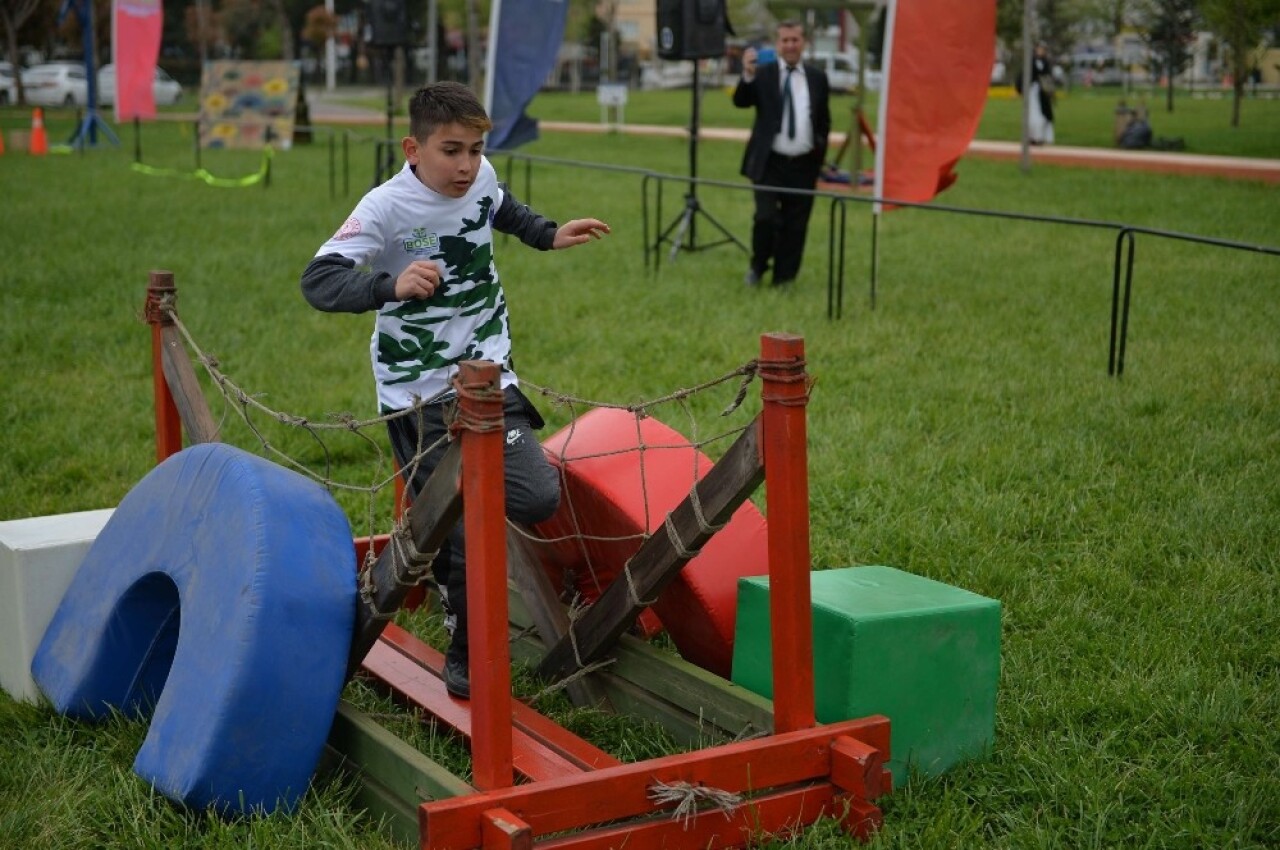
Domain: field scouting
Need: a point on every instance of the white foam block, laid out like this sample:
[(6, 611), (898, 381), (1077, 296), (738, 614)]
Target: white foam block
[(39, 557)]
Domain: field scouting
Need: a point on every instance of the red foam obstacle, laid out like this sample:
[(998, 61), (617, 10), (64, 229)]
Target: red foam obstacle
[(621, 475)]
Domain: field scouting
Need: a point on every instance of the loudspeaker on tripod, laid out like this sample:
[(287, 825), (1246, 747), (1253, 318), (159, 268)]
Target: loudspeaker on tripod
[(388, 23), (691, 29)]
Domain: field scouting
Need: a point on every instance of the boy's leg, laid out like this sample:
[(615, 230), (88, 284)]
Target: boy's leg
[(532, 493)]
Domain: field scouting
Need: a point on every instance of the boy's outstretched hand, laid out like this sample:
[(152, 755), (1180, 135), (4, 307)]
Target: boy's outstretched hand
[(579, 231)]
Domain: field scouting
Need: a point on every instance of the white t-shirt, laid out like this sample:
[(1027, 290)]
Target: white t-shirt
[(417, 344)]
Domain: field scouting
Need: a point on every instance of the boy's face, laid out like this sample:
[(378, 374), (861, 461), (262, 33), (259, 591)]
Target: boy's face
[(448, 160)]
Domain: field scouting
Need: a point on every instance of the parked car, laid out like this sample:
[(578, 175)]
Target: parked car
[(842, 70), (166, 90), (56, 84)]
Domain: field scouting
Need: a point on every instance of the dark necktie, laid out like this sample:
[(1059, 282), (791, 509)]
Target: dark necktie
[(788, 104)]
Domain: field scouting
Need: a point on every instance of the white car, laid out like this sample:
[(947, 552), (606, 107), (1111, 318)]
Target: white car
[(166, 90), (56, 84), (842, 71)]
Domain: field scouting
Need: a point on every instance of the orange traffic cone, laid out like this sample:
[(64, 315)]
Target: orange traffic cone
[(39, 141), (1, 142)]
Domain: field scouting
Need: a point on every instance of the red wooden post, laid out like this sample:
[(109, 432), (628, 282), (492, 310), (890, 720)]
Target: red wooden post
[(786, 480), (168, 423), (479, 426)]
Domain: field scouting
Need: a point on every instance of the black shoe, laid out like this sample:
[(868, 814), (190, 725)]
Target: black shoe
[(784, 283), (457, 675), (752, 277)]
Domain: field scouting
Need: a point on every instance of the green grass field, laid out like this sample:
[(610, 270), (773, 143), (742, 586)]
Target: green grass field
[(965, 430)]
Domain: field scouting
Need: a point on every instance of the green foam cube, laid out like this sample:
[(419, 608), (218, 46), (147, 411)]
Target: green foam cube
[(923, 653)]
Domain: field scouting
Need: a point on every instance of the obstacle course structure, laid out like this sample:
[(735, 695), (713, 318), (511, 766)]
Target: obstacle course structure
[(534, 783)]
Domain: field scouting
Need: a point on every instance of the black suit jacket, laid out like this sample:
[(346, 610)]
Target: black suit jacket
[(764, 92)]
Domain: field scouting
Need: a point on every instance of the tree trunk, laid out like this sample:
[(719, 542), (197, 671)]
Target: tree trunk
[(473, 50)]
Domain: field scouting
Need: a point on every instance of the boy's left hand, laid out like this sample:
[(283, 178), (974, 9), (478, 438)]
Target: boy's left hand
[(579, 231)]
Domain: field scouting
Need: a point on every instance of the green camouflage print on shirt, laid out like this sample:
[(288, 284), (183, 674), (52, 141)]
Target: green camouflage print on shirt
[(419, 351)]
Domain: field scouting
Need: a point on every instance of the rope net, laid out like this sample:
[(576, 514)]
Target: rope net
[(580, 561)]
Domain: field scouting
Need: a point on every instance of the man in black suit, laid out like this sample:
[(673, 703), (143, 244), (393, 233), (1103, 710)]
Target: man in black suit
[(787, 147)]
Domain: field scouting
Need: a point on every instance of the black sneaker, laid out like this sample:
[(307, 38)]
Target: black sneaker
[(457, 675), (752, 277)]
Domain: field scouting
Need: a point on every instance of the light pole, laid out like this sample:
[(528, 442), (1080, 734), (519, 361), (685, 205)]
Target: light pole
[(330, 54)]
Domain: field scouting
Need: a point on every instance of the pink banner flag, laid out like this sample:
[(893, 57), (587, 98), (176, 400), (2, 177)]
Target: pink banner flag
[(937, 68), (135, 27)]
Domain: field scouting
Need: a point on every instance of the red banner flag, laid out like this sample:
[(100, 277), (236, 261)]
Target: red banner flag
[(937, 67), (135, 29)]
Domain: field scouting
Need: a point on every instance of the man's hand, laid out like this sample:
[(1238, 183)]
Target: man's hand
[(749, 64), (420, 280), (579, 231)]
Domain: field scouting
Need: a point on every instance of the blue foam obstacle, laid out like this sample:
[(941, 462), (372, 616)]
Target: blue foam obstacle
[(219, 599)]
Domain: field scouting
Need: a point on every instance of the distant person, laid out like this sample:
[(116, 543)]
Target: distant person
[(1040, 93), (787, 148), (418, 249)]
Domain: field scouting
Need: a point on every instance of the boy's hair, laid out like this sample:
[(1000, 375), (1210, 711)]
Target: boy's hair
[(438, 104)]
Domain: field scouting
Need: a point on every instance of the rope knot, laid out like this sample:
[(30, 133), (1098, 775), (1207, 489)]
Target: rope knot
[(687, 797)]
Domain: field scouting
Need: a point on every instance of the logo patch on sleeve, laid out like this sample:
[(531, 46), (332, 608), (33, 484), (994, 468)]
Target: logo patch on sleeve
[(349, 230)]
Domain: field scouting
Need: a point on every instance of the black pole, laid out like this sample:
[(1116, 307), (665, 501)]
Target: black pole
[(390, 109), (137, 139), (692, 197)]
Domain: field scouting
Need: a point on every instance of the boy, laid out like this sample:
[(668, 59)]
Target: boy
[(419, 250)]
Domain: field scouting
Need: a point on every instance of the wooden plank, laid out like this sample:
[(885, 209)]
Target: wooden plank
[(480, 432), (504, 831), (785, 451), (776, 815), (185, 389), (382, 804), (430, 519), (657, 561), (715, 701), (694, 706), (545, 611), (392, 779), (555, 737), (858, 768), (421, 685), (382, 756), (862, 820), (622, 792)]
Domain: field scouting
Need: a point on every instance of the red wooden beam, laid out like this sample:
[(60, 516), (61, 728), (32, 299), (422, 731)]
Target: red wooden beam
[(576, 754), (484, 514), (623, 792), (858, 768), (423, 687), (786, 481), (168, 423), (780, 814), (504, 831)]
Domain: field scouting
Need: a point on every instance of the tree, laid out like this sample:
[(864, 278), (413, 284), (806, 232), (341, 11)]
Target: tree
[(1241, 25), (1170, 28), (14, 13), (1054, 22), (203, 28)]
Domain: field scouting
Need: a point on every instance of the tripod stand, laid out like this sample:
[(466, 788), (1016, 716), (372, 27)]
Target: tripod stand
[(686, 221)]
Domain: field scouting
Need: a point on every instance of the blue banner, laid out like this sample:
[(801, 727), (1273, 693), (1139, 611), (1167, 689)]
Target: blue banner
[(529, 36)]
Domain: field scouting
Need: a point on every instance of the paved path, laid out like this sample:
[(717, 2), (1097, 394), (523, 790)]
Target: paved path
[(1267, 170)]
